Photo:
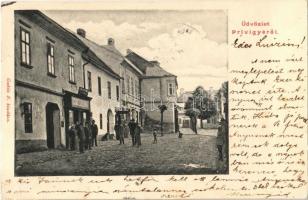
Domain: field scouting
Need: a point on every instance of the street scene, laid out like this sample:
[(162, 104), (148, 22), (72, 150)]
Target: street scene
[(170, 155), (121, 93)]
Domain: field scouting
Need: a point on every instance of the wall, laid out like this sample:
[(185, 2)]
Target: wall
[(160, 96), (101, 104), (39, 101), (132, 99), (38, 74)]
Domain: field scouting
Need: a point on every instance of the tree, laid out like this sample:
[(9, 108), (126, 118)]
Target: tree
[(162, 109), (200, 102), (192, 112)]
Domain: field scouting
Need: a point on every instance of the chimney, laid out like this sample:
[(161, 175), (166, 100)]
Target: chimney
[(128, 51), (111, 42), (155, 62), (81, 32)]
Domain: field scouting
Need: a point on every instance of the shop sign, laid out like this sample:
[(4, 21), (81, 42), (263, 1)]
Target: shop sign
[(80, 103)]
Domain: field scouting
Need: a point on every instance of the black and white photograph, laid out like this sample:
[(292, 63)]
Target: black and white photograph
[(121, 92)]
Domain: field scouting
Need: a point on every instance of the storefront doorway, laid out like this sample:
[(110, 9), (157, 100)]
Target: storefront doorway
[(53, 126), (76, 108), (110, 121)]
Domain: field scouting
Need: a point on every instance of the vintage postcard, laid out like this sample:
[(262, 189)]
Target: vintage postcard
[(154, 100)]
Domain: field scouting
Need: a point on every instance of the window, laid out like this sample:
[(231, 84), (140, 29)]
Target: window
[(122, 82), (117, 91), (101, 121), (50, 59), (127, 85), (99, 86), (89, 81), (170, 89), (109, 89), (152, 94), (25, 47), (136, 88), (132, 86), (28, 117), (71, 69)]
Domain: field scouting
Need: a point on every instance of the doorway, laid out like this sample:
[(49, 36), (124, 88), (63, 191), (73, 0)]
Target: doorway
[(110, 123), (53, 126)]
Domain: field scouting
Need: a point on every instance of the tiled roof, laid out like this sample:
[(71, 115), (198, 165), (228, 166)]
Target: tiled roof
[(108, 54), (52, 27), (150, 68), (156, 70)]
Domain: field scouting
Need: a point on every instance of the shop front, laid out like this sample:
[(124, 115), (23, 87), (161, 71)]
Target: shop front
[(76, 108)]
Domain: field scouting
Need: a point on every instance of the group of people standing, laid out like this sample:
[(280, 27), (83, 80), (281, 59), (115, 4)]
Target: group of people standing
[(133, 128), (85, 134)]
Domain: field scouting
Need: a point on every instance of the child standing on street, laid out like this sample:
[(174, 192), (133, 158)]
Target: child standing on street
[(155, 136)]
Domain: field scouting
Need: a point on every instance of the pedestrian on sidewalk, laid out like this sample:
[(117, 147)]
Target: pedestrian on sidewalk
[(116, 130), (137, 132), (221, 139), (132, 126), (88, 134), (155, 136), (81, 136), (94, 133), (121, 134), (72, 135), (126, 129)]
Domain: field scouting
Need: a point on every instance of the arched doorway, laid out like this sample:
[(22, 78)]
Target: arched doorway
[(53, 127), (110, 122)]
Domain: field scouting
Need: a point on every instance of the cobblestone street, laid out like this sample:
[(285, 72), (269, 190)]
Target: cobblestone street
[(192, 154)]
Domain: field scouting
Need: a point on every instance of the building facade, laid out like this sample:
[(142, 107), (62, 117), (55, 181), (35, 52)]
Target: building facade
[(48, 79), (102, 84), (158, 87), (128, 88), (61, 77), (131, 94)]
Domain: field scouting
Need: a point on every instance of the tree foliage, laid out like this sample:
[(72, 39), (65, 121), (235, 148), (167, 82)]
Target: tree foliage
[(200, 105)]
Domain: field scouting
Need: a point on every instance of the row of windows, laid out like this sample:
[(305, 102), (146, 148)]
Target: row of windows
[(26, 60), (132, 86), (99, 86), (26, 56)]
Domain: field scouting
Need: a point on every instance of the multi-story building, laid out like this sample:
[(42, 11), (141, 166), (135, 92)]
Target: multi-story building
[(62, 77), (128, 91), (158, 87), (49, 82), (103, 85), (51, 67)]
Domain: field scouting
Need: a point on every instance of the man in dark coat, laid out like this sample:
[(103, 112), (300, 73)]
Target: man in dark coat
[(94, 133), (221, 139), (137, 132), (81, 136), (116, 130), (132, 126), (87, 131), (72, 135), (121, 133)]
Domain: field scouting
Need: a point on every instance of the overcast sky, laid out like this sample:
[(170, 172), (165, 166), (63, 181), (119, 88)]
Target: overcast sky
[(189, 44)]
